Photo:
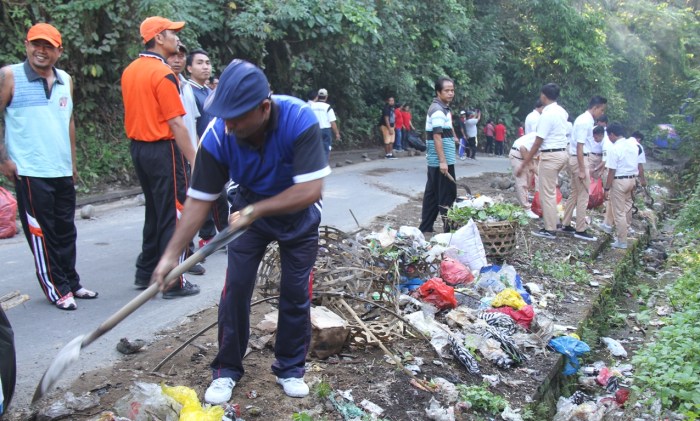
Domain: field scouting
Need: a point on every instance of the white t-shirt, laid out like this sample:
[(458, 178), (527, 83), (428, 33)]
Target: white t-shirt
[(471, 127), (324, 113), (552, 127), (531, 121), (624, 157)]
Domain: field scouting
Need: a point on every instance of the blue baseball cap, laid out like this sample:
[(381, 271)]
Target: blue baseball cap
[(242, 87)]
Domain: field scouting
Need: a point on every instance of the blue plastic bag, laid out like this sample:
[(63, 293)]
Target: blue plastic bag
[(572, 348), (517, 283), (408, 285)]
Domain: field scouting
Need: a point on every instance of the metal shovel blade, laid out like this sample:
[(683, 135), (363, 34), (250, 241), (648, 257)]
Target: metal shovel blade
[(71, 351)]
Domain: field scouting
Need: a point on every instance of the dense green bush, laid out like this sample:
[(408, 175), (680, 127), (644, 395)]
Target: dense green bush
[(498, 52)]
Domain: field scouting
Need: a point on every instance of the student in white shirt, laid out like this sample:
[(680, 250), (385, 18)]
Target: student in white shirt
[(523, 182), (552, 143), (532, 118), (579, 150), (623, 169)]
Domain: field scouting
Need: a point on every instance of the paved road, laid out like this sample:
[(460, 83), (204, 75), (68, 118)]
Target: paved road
[(108, 246)]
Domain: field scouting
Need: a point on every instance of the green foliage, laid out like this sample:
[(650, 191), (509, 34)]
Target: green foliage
[(301, 416), (670, 366), (460, 215), (323, 390), (499, 53), (481, 399), (561, 271)]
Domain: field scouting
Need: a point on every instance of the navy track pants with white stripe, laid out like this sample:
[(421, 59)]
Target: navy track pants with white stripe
[(47, 211)]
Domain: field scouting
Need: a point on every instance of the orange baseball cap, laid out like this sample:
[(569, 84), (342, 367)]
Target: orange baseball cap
[(46, 32), (154, 25)]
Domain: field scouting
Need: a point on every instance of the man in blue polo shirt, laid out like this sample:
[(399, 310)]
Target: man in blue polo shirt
[(271, 146)]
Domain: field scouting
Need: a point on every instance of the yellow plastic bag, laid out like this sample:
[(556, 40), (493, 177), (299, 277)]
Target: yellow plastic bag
[(508, 297), (192, 410)]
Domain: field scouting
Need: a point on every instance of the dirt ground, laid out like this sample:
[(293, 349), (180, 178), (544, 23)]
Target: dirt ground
[(364, 370)]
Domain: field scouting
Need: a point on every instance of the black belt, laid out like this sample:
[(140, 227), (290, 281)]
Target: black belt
[(597, 154), (513, 149), (553, 150), (617, 177), (513, 156), (583, 154)]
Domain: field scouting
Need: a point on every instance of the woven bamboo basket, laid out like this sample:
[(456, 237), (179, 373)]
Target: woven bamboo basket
[(498, 238)]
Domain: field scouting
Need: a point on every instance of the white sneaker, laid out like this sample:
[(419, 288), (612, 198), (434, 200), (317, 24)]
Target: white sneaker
[(294, 387), (532, 214), (219, 391), (605, 228)]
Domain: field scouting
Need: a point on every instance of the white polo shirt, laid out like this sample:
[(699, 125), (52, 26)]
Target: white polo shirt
[(582, 133), (531, 121), (526, 141), (606, 146), (324, 113), (624, 157), (552, 127)]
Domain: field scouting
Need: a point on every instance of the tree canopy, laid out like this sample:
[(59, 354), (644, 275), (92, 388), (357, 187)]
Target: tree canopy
[(640, 54)]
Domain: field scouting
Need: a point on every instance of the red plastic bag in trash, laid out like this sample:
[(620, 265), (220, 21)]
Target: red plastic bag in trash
[(537, 206), (596, 194), (622, 395), (523, 317), (604, 376), (436, 292), (453, 272), (8, 214)]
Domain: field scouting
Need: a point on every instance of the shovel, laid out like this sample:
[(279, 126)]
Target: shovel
[(70, 353)]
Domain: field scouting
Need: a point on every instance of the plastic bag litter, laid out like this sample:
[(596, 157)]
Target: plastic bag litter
[(386, 237), (145, 401), (508, 297), (615, 347), (107, 416), (436, 292), (454, 273), (67, 405), (572, 348), (569, 411), (427, 325), (446, 390), (523, 317), (491, 350), (507, 275), (509, 414), (413, 233), (192, 409), (471, 249), (8, 214), (408, 285), (464, 356), (438, 413)]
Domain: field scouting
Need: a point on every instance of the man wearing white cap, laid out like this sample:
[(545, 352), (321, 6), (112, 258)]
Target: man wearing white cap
[(326, 120)]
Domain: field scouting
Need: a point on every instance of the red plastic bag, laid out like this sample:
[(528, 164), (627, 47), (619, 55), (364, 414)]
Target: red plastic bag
[(8, 214), (596, 194), (454, 272), (537, 206), (523, 317), (436, 292)]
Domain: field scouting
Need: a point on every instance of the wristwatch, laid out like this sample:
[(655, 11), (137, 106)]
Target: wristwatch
[(606, 189), (248, 211)]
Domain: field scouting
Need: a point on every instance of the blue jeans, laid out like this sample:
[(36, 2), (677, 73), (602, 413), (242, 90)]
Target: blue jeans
[(397, 141), (327, 137)]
